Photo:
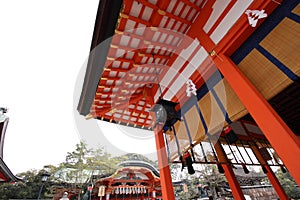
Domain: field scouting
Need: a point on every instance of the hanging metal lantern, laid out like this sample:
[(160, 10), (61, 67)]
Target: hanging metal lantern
[(165, 113)]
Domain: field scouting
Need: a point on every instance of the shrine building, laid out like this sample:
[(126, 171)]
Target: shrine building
[(216, 81)]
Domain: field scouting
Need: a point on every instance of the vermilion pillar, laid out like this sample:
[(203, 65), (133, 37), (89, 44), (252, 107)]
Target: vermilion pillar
[(271, 176), (164, 170), (283, 140), (230, 176)]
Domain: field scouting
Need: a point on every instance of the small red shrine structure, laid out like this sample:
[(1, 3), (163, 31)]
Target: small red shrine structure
[(133, 180)]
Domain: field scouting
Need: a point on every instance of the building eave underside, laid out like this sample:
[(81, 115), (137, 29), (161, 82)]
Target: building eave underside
[(105, 28), (106, 20)]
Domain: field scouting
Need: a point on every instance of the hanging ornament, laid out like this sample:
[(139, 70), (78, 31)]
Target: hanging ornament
[(282, 169), (190, 88), (189, 163), (254, 16), (230, 135), (154, 194), (246, 170), (220, 168), (138, 190), (101, 191), (264, 169)]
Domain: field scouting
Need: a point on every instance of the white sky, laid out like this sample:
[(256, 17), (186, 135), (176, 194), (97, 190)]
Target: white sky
[(43, 46)]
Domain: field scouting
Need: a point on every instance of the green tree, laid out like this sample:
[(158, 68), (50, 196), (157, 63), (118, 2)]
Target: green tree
[(288, 184), (76, 168), (81, 164), (28, 188), (212, 178), (76, 172)]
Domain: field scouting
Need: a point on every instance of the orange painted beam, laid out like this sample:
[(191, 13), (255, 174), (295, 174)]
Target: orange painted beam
[(236, 35), (242, 30), (280, 136), (229, 174), (164, 170), (204, 15)]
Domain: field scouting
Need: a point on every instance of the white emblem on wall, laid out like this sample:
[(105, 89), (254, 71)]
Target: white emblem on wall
[(254, 16), (190, 88)]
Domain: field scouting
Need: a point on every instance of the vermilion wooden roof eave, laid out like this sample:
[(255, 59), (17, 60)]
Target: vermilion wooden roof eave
[(3, 127), (105, 24), (5, 172)]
